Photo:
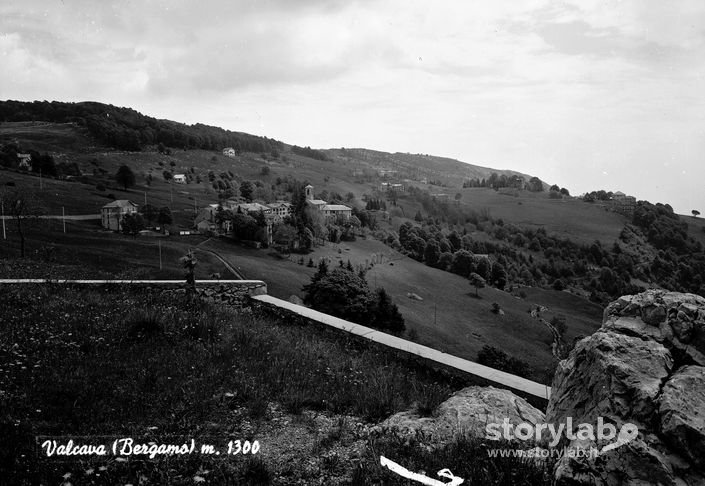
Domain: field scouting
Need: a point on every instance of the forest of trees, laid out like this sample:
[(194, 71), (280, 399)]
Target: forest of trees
[(496, 181), (127, 129), (309, 152)]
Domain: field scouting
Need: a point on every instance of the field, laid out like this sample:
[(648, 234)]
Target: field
[(104, 254), (449, 318)]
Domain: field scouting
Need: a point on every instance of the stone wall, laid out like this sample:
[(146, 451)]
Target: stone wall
[(229, 292)]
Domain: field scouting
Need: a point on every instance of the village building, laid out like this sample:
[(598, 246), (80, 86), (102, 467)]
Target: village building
[(206, 223), (180, 178), (392, 186), (280, 210), (25, 161), (328, 210), (229, 151), (623, 204), (112, 213)]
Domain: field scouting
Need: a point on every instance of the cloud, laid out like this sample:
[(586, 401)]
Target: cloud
[(569, 89)]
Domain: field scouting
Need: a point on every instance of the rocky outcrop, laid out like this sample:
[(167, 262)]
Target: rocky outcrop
[(646, 367), (466, 412)]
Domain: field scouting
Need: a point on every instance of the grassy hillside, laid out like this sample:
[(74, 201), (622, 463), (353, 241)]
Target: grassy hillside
[(416, 166), (97, 364), (449, 318), (570, 217)]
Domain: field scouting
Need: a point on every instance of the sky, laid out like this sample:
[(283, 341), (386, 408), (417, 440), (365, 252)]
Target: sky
[(586, 94)]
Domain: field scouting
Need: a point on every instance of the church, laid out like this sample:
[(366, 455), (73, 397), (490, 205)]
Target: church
[(328, 210)]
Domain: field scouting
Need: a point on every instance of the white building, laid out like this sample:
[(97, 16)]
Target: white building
[(180, 178)]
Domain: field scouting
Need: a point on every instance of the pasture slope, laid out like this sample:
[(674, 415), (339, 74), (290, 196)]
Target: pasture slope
[(449, 317)]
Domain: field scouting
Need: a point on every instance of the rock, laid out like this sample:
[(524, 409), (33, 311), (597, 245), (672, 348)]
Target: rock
[(609, 374), (682, 412), (645, 366), (467, 412)]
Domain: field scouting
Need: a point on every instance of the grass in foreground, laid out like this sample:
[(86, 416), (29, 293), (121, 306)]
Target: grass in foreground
[(115, 362)]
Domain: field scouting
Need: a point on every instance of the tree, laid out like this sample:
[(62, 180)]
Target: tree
[(458, 197), (385, 314), (696, 213), (477, 282), (164, 217), (463, 263), (432, 253), (483, 268), (535, 184), (499, 360), (132, 224), (499, 276), (246, 190), (125, 177), (149, 212), (24, 207), (340, 293), (189, 263)]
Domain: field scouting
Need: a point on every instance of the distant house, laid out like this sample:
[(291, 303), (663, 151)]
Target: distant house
[(25, 161), (180, 178), (112, 213), (205, 221), (623, 204), (229, 151), (392, 186), (205, 227)]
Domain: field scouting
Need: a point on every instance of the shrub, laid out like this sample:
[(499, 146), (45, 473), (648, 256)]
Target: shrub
[(144, 323), (498, 359)]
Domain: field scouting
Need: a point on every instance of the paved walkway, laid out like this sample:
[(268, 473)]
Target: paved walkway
[(490, 374)]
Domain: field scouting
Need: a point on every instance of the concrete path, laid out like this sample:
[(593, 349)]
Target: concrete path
[(490, 374)]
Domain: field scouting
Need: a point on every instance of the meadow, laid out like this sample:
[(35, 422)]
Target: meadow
[(450, 317)]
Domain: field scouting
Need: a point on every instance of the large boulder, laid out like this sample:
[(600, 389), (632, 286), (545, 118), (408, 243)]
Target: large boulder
[(644, 368), (467, 412)]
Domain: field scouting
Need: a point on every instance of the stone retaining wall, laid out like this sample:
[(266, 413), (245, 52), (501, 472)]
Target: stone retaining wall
[(230, 292)]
